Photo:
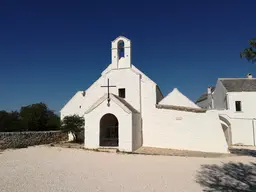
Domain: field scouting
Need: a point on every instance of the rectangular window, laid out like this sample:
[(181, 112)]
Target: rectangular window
[(121, 93), (238, 106)]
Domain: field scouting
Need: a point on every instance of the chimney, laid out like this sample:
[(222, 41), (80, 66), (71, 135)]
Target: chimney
[(209, 90), (249, 76)]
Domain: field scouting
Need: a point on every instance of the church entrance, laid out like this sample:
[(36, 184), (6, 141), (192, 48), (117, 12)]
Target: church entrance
[(109, 131)]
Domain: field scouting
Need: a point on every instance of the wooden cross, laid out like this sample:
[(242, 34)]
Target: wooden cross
[(108, 86)]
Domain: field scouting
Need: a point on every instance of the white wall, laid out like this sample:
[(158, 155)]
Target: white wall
[(178, 129), (241, 122), (92, 126), (242, 131), (126, 78), (248, 103), (184, 130), (123, 78), (73, 106)]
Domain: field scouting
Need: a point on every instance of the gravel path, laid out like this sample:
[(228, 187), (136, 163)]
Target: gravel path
[(55, 169)]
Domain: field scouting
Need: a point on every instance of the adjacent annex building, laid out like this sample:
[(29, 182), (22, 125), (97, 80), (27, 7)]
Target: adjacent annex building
[(125, 109), (235, 101)]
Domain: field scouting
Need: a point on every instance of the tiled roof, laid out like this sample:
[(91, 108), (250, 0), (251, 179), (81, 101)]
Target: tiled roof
[(239, 84), (204, 96)]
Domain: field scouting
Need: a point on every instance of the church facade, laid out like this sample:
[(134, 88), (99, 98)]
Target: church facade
[(125, 109)]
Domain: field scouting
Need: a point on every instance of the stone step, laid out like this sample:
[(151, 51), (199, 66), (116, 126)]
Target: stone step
[(111, 150)]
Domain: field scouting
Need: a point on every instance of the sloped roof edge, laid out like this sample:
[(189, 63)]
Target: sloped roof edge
[(181, 108), (120, 102)]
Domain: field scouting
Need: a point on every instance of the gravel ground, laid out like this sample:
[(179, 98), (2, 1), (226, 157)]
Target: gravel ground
[(55, 169)]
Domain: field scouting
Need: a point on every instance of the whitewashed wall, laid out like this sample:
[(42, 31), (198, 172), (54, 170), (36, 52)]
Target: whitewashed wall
[(242, 131), (185, 130), (123, 78), (126, 78), (178, 129), (248, 103), (241, 122), (92, 126), (74, 106)]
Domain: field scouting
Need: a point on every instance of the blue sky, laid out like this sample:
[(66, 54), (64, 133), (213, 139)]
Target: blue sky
[(51, 49)]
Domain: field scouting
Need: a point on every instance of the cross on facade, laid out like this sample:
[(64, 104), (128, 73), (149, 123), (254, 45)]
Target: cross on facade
[(108, 86)]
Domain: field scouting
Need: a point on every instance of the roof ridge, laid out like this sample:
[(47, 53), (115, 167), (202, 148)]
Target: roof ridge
[(234, 78)]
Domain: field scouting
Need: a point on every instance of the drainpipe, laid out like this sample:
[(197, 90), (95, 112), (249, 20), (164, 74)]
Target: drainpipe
[(253, 131)]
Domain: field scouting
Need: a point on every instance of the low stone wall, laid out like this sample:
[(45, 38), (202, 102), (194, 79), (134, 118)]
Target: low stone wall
[(24, 139)]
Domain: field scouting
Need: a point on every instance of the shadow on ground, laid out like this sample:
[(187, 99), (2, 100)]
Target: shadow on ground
[(240, 151), (228, 177)]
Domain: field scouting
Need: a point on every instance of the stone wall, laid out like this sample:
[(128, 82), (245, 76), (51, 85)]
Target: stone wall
[(24, 139)]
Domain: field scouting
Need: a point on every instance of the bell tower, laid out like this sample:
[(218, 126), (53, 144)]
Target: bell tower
[(121, 53)]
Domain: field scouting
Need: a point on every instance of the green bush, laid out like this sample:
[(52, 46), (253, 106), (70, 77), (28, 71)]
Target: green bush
[(73, 124)]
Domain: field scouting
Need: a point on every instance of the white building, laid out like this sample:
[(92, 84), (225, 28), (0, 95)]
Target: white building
[(235, 101), (130, 111)]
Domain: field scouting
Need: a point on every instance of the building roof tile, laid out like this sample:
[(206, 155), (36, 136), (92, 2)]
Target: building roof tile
[(239, 84)]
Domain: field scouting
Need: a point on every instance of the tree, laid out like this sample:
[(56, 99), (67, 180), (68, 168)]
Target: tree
[(53, 121), (250, 53), (10, 121), (73, 124), (37, 117)]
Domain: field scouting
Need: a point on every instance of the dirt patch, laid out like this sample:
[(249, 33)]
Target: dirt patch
[(238, 151), (175, 152), (243, 150), (68, 145)]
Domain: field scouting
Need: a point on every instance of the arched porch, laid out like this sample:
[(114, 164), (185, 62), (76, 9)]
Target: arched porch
[(109, 131)]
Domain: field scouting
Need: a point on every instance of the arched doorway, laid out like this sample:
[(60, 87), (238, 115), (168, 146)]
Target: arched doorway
[(226, 127), (109, 130)]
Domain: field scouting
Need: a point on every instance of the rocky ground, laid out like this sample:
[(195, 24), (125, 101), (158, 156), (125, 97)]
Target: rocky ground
[(45, 168)]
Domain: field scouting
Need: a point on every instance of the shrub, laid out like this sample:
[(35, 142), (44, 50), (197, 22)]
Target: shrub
[(73, 124)]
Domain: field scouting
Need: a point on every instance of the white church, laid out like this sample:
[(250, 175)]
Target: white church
[(125, 109)]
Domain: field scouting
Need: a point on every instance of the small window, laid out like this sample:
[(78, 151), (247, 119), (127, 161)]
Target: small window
[(238, 106), (121, 93)]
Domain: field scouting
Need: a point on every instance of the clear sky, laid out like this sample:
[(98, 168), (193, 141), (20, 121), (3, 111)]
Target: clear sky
[(49, 49)]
